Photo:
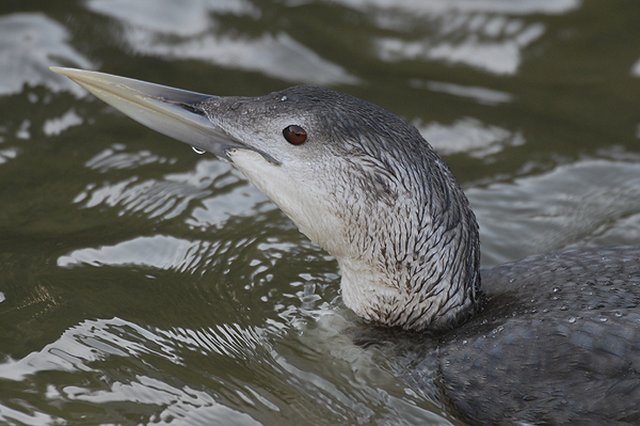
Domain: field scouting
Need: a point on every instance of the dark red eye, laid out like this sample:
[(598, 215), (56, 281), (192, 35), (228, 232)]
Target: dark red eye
[(295, 135)]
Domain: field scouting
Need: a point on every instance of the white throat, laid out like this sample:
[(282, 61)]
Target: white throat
[(404, 264)]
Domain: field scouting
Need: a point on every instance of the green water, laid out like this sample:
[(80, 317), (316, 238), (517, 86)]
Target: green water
[(142, 283)]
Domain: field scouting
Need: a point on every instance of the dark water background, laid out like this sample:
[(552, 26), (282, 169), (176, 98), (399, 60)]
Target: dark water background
[(142, 283)]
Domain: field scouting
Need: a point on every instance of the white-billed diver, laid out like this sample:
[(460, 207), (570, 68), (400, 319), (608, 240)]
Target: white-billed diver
[(550, 339)]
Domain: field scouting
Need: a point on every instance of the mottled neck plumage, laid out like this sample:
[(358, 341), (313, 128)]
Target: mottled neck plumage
[(415, 255)]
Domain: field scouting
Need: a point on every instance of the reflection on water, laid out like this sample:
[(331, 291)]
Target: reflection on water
[(468, 135), (30, 43), (182, 18), (141, 283), (586, 203), (428, 7), (192, 32), (55, 126), (94, 346), (162, 252), (481, 95), (489, 35), (635, 70), (7, 154)]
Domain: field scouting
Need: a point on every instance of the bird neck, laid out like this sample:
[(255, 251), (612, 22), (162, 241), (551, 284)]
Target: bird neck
[(417, 260)]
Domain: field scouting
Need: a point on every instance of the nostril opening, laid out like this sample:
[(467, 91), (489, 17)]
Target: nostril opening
[(191, 108)]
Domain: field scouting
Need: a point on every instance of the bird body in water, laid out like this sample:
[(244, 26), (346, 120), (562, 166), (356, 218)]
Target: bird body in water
[(550, 339)]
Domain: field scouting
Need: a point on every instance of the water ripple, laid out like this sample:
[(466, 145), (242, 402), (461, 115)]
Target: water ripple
[(115, 158), (190, 406), (489, 35), (154, 199), (210, 194), (85, 343), (194, 34), (231, 340), (159, 251), (93, 345), (170, 16), (482, 95), (8, 154), (421, 7), (498, 57), (470, 136), (30, 43), (55, 126), (580, 203)]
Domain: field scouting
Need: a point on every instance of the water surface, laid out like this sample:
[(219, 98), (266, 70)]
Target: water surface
[(142, 283)]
